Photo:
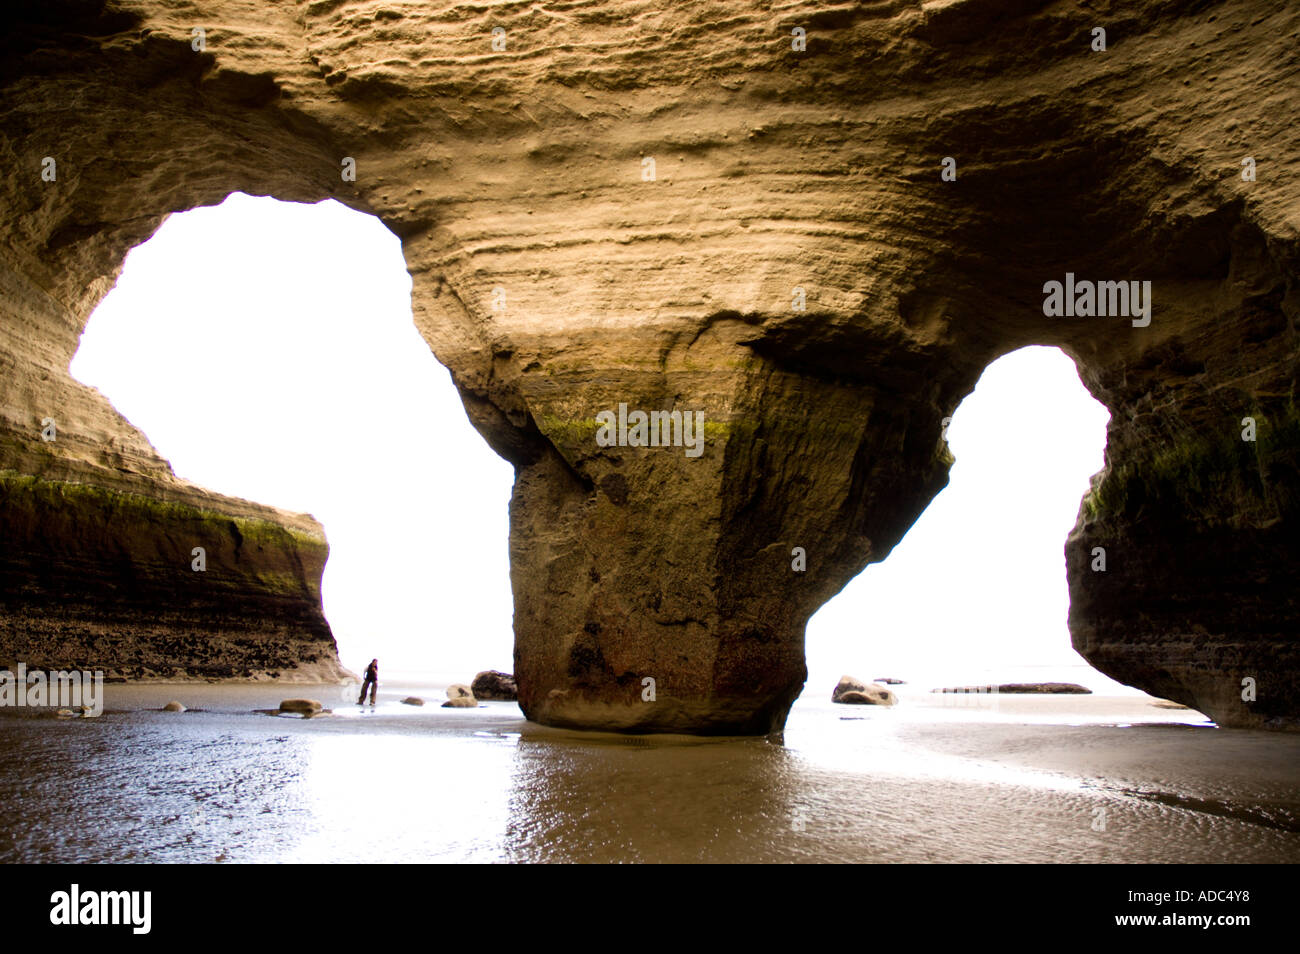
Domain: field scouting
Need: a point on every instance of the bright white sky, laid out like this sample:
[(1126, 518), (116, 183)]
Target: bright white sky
[(267, 350)]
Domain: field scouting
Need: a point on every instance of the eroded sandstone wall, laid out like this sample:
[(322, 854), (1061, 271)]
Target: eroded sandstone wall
[(97, 534), (557, 279), (98, 538)]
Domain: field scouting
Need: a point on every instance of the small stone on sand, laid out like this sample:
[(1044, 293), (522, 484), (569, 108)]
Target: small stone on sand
[(303, 707)]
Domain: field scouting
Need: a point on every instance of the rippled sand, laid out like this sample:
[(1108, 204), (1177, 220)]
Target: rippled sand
[(1076, 779)]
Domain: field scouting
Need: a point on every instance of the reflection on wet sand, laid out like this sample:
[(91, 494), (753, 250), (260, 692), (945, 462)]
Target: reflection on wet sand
[(1040, 780)]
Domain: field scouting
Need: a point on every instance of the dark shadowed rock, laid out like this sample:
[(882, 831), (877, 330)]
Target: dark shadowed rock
[(492, 684)]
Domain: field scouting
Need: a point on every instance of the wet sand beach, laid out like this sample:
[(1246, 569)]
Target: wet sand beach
[(1065, 779)]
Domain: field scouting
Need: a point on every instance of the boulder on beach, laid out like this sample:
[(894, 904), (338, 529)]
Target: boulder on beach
[(850, 691), (874, 696), (303, 707), (1025, 688), (173, 706), (493, 684), (847, 684), (412, 701), (459, 690), (461, 702)]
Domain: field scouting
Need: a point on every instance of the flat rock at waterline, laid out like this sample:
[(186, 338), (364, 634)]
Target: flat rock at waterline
[(303, 707), (1025, 688)]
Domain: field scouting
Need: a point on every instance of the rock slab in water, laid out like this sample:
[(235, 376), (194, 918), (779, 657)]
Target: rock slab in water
[(850, 691), (412, 701), (1025, 688), (889, 681), (493, 684)]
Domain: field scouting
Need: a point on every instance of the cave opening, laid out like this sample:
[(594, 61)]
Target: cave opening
[(976, 591), (267, 350)]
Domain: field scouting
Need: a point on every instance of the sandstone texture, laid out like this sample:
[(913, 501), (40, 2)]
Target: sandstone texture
[(620, 206), (97, 572)]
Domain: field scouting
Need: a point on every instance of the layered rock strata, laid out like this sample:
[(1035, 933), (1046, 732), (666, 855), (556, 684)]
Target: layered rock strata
[(740, 213)]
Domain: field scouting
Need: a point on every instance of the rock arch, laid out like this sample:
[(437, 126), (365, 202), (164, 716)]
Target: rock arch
[(520, 169)]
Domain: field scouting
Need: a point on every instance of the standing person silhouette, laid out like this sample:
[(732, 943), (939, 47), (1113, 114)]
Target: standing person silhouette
[(371, 682)]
